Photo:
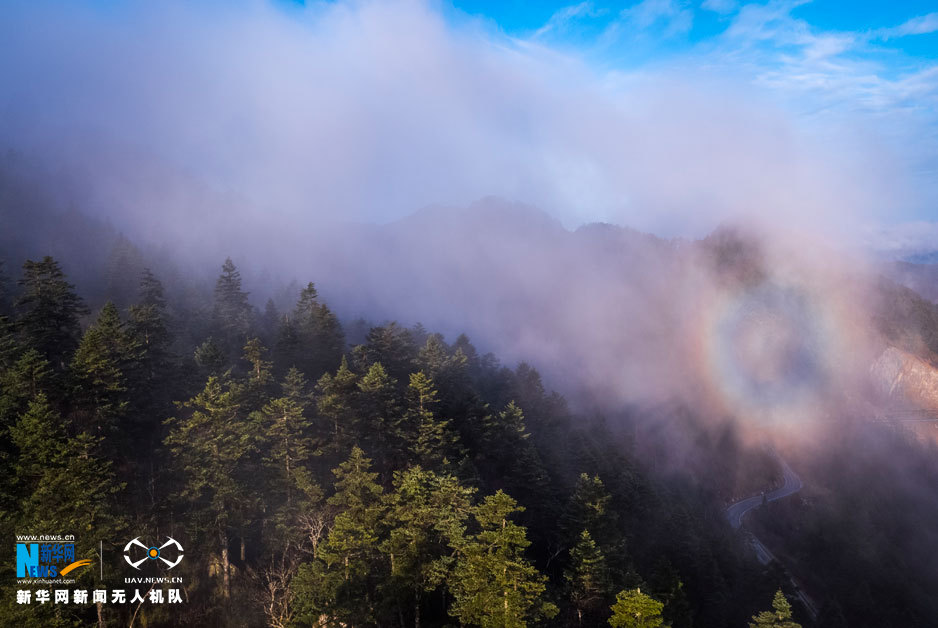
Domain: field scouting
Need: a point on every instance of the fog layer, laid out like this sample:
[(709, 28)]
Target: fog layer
[(177, 121)]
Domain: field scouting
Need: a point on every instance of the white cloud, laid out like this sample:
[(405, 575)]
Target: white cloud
[(369, 110), (921, 25), (674, 15), (565, 17), (720, 6)]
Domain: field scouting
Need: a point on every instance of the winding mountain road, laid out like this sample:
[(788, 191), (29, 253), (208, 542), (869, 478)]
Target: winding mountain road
[(736, 511), (792, 484)]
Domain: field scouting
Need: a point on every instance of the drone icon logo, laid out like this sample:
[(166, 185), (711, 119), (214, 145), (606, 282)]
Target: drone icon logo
[(153, 552)]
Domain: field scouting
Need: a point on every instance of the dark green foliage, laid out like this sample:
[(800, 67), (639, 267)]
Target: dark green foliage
[(99, 375), (406, 482), (48, 311), (778, 617), (392, 346), (425, 518), (66, 486), (210, 357), (870, 564), (351, 551), (586, 579), (148, 325), (665, 585), (232, 315), (492, 584), (290, 445), (336, 405), (212, 441), (311, 338), (634, 609), (432, 442)]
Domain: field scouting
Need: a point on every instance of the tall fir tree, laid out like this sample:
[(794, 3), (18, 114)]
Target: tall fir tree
[(318, 336), (232, 314), (260, 375), (590, 508), (290, 445), (392, 346), (148, 325), (425, 516), (634, 609), (434, 445), (212, 442), (336, 404), (378, 413), (209, 357), (49, 311), (65, 486), (493, 585), (778, 617), (586, 580), (351, 552), (100, 395)]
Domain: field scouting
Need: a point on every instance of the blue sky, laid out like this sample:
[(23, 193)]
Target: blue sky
[(687, 23), (869, 64)]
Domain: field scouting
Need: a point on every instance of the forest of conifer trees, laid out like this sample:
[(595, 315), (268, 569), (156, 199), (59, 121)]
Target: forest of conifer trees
[(399, 481)]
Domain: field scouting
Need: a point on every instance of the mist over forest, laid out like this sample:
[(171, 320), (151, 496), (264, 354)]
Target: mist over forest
[(391, 316)]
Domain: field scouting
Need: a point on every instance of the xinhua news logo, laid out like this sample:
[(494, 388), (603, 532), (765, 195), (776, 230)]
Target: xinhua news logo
[(47, 556)]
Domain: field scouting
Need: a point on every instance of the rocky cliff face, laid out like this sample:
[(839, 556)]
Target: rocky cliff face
[(903, 376)]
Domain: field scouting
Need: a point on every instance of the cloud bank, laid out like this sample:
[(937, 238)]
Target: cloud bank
[(173, 119)]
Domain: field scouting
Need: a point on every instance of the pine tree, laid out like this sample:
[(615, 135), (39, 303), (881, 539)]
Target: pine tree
[(260, 376), (590, 508), (434, 444), (493, 586), (504, 433), (587, 577), (64, 485), (665, 585), (98, 373), (392, 346), (290, 443), (49, 311), (634, 609), (433, 357), (336, 406), (148, 325), (448, 371), (426, 516), (378, 414), (464, 345), (21, 382), (232, 314), (55, 482), (212, 442), (313, 338), (210, 357), (9, 346), (152, 380), (351, 551), (779, 617)]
